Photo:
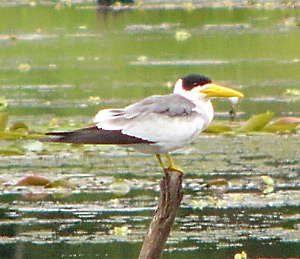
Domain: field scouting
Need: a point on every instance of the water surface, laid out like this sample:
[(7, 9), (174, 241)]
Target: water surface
[(59, 64)]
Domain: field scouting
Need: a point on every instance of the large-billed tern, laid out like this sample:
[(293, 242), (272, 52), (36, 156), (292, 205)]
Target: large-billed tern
[(157, 124)]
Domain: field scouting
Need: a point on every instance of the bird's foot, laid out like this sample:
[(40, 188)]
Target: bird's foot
[(173, 169), (171, 165)]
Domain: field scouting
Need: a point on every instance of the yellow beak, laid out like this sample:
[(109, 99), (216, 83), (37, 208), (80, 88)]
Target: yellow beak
[(214, 90)]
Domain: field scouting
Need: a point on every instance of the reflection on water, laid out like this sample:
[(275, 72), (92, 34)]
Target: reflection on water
[(67, 62)]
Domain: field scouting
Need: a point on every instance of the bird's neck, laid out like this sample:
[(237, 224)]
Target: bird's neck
[(205, 107), (203, 104)]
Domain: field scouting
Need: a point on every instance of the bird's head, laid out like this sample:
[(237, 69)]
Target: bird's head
[(197, 87)]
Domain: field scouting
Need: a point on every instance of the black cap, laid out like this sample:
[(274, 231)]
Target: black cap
[(192, 80)]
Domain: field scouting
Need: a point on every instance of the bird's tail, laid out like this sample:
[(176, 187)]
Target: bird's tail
[(93, 135)]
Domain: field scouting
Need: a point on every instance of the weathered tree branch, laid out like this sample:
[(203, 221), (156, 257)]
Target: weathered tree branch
[(160, 226)]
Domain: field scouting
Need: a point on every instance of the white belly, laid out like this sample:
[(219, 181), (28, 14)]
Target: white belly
[(171, 133), (167, 146)]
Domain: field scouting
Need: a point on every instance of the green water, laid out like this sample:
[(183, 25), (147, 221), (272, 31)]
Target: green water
[(127, 55), (67, 62)]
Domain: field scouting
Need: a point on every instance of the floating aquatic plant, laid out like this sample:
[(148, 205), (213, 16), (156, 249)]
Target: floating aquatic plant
[(24, 67), (38, 180), (269, 184), (256, 122), (182, 35), (260, 122), (3, 103), (34, 180), (3, 120)]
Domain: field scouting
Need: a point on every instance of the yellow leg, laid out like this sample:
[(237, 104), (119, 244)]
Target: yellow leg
[(171, 165), (160, 161)]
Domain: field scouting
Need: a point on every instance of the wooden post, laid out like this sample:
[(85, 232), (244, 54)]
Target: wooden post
[(160, 226)]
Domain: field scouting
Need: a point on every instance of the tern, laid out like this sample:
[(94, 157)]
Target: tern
[(158, 124)]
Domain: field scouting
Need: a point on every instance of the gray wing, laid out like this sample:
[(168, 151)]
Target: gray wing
[(169, 105), (156, 118)]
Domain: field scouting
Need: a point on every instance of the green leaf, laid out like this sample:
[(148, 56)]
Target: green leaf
[(3, 120), (11, 152), (64, 183), (217, 128), (292, 91), (19, 126), (268, 189), (3, 103), (256, 122), (18, 135), (268, 180), (121, 231)]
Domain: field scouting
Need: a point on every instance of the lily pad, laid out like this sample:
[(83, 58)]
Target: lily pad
[(182, 35), (292, 91), (256, 122), (219, 181), (269, 184), (121, 231), (18, 135), (34, 180), (3, 120), (19, 126), (64, 183), (217, 128), (34, 196), (11, 152), (287, 121), (283, 124), (120, 187), (3, 103), (281, 128), (33, 146)]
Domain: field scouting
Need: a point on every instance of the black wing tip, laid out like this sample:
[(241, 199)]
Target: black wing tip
[(57, 137), (49, 140), (56, 133), (93, 135)]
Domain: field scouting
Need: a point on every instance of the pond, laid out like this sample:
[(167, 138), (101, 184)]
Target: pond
[(60, 62)]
